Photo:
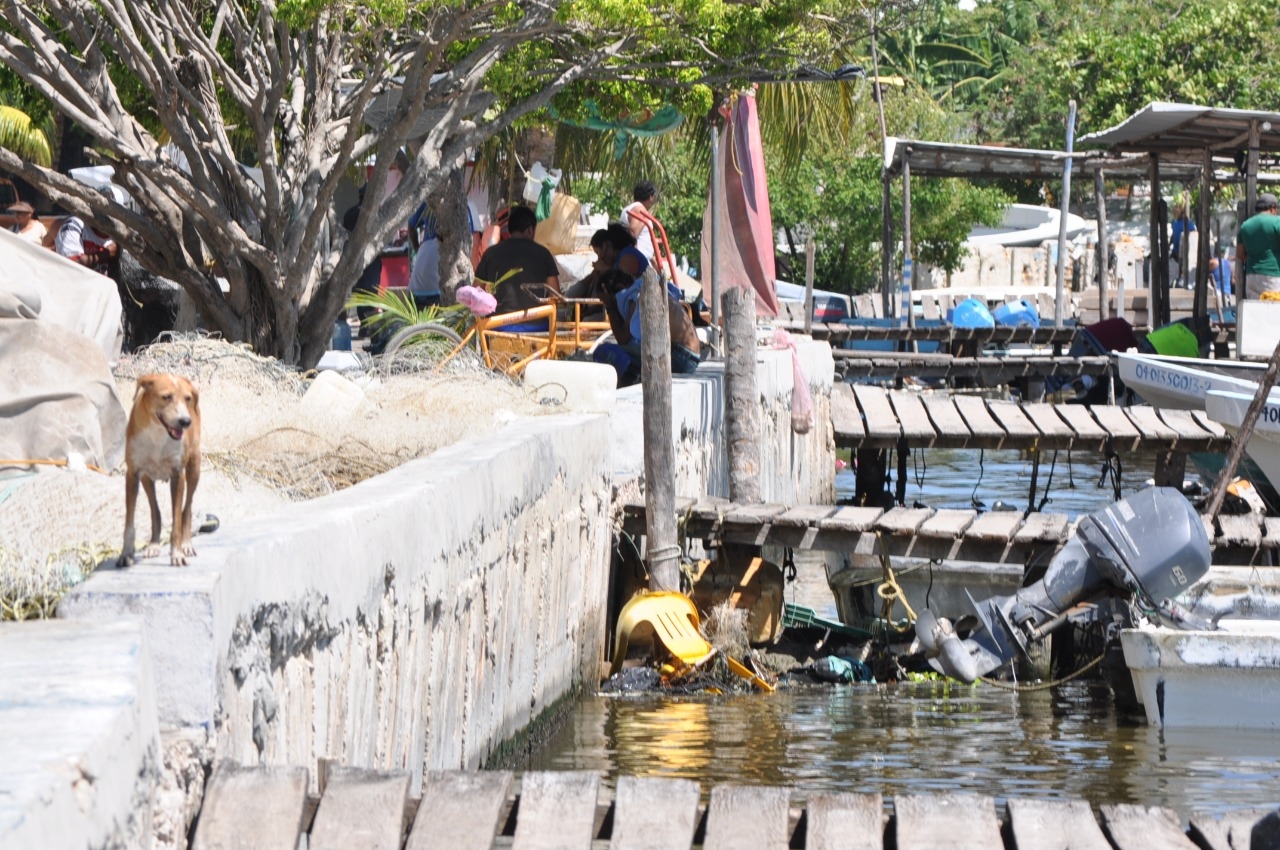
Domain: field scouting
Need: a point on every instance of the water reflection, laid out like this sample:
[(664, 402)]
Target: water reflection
[(953, 478), (933, 737)]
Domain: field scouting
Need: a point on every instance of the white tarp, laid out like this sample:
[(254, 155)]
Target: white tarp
[(59, 332)]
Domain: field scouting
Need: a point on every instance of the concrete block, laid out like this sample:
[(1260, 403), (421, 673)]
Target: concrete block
[(79, 734)]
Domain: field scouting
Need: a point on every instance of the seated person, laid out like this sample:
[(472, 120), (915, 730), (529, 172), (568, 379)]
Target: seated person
[(615, 249), (622, 304), (81, 243), (532, 263), (26, 225)]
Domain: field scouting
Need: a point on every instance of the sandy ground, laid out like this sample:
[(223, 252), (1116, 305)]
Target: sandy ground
[(269, 436)]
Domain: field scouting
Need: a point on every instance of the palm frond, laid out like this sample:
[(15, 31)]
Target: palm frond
[(398, 306), (18, 135)]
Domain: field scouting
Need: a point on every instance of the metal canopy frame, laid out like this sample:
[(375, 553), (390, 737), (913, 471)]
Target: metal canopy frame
[(1171, 133)]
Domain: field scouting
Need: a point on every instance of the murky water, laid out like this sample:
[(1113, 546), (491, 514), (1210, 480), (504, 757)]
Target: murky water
[(954, 478), (1065, 743)]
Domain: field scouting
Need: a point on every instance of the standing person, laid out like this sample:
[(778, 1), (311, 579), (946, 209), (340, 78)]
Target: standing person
[(1181, 225), (371, 278), (1220, 273), (1258, 249), (534, 262), (424, 281), (646, 196), (27, 226)]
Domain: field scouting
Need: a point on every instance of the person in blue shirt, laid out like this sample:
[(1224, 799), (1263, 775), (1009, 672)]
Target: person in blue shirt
[(622, 304), (1181, 224), (424, 280), (1220, 273)]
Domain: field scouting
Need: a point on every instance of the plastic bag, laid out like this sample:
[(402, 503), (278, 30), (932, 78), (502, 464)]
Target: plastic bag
[(801, 399), (559, 231), (479, 302)]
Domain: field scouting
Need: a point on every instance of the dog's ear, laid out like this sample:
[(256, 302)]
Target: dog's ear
[(195, 393), (145, 383)]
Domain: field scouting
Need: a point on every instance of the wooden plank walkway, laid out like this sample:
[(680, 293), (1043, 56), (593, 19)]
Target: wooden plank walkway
[(269, 808), (946, 533), (870, 417), (887, 365)]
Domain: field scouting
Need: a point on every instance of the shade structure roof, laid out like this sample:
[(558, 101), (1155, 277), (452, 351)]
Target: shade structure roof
[(949, 159), (1183, 130)]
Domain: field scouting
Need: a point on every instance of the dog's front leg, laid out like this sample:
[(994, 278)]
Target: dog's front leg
[(192, 476), (149, 487), (130, 503), (177, 484)]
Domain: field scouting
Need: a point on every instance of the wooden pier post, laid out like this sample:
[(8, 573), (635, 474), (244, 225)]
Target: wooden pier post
[(741, 398), (662, 549), (1100, 195)]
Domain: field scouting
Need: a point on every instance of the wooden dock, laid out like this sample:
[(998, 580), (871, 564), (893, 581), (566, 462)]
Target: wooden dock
[(991, 371), (270, 809), (867, 417), (998, 537), (946, 334)]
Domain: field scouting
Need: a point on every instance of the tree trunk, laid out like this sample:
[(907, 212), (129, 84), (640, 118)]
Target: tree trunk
[(453, 229), (741, 397)]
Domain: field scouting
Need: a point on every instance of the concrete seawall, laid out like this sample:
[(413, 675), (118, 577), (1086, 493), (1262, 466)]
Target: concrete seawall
[(794, 468), (420, 619)]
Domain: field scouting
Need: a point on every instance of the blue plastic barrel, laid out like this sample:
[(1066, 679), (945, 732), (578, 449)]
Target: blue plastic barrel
[(972, 313), (1017, 313)]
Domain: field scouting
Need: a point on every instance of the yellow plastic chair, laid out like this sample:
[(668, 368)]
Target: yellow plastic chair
[(673, 620)]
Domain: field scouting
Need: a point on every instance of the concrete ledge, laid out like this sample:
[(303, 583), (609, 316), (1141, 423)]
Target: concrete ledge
[(413, 621), (79, 735)]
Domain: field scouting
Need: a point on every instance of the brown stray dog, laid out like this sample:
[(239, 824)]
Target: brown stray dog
[(162, 444)]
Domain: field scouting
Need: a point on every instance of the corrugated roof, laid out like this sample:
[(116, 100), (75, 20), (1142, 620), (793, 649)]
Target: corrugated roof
[(1187, 129)]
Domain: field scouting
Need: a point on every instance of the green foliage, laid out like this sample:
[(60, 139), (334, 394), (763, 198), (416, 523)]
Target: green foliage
[(398, 307), (18, 135), (1125, 54)]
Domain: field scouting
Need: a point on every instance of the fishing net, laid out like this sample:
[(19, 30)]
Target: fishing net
[(265, 441)]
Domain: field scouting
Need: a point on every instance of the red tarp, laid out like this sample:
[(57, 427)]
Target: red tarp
[(745, 256)]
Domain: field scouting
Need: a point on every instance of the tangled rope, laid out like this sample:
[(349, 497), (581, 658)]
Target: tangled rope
[(890, 592), (1041, 686)]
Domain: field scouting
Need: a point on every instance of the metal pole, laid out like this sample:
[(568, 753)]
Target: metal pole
[(713, 273), (908, 259), (1060, 295), (886, 205), (809, 250), (1104, 255), (662, 549), (741, 398)]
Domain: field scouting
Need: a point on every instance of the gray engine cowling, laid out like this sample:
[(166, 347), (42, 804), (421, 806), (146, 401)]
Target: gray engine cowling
[(1151, 545)]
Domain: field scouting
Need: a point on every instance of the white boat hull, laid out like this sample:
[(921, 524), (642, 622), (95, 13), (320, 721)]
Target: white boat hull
[(1180, 383), (1229, 407), (1227, 678)]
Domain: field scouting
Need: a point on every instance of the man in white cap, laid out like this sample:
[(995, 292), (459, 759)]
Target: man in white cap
[(26, 225), (1258, 249)]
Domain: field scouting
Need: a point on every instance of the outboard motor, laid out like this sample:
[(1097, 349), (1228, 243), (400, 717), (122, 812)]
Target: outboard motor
[(1151, 545)]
